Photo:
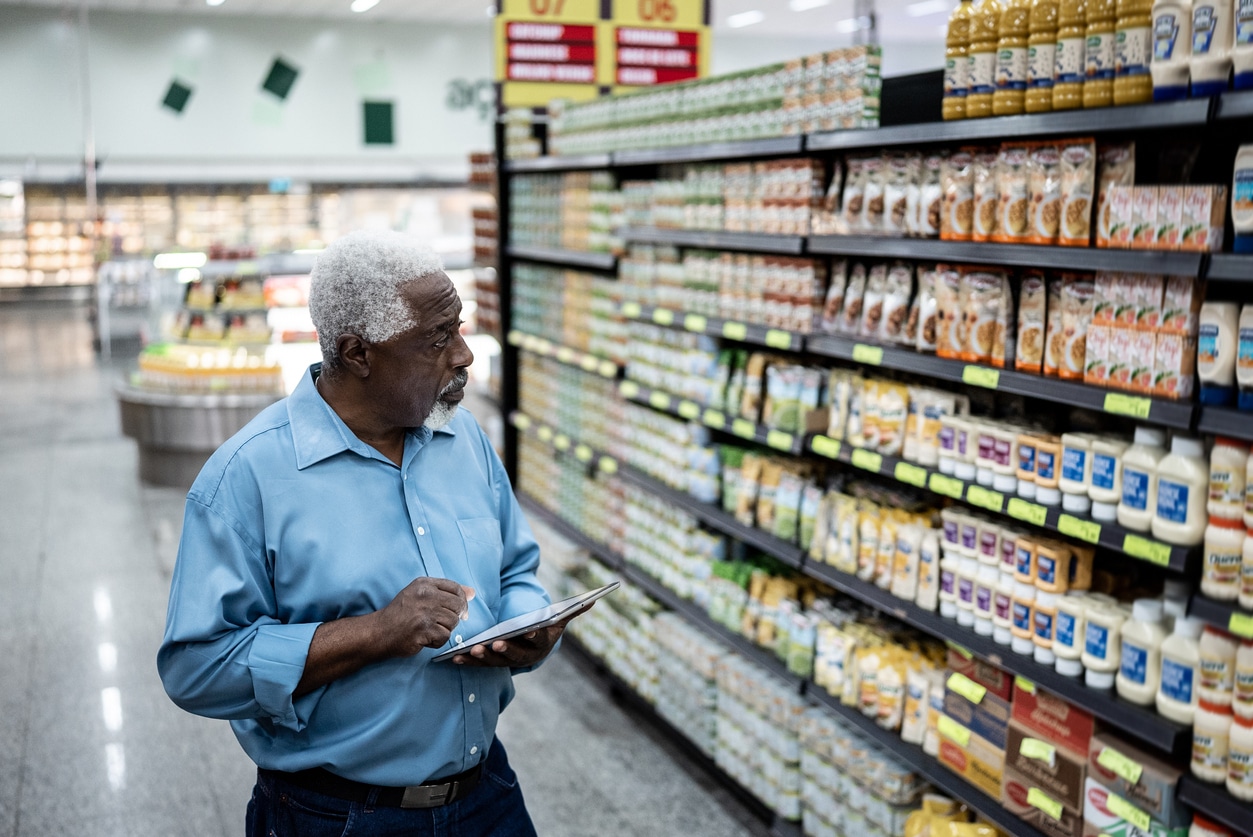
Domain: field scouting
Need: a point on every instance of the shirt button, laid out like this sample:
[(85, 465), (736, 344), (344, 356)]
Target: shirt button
[(471, 698), (474, 751), (421, 531), (457, 639), (406, 477)]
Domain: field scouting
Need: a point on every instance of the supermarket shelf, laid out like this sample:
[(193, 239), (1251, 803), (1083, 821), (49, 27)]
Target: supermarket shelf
[(1215, 803), (1139, 722), (1225, 421), (1164, 115), (751, 242), (774, 338), (1226, 615), (709, 151), (532, 507), (1230, 267), (224, 268), (564, 354), (1235, 105), (786, 553), (559, 163), (1176, 414), (1019, 255), (783, 828), (561, 442), (569, 258)]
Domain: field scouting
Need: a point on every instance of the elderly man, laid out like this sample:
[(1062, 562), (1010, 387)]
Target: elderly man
[(335, 542)]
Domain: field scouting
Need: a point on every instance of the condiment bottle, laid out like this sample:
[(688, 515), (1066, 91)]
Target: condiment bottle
[(1011, 58), (1172, 49), (1022, 618), (1228, 466), (1076, 476), (1244, 244), (1045, 619), (1102, 645), (1218, 666), (1216, 352), (1177, 694), (1106, 488), (967, 572), (1139, 479), (1026, 551), (986, 582), (1072, 39), (1242, 694), (1003, 610), (1026, 461), (956, 61), (948, 584), (1222, 559), (1041, 58), (1140, 670), (1048, 456), (985, 21), (1246, 572), (1182, 493), (1201, 827), (1242, 52), (1052, 566), (967, 448), (1098, 85), (1211, 732), (1005, 469), (1068, 632), (1211, 46), (1133, 43), (928, 570), (1240, 759)]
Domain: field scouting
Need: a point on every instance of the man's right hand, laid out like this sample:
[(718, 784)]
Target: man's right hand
[(423, 615)]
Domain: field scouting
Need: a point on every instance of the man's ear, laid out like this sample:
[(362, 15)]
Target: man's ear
[(354, 355)]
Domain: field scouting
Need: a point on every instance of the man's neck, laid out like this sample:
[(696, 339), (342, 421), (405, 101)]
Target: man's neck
[(349, 406)]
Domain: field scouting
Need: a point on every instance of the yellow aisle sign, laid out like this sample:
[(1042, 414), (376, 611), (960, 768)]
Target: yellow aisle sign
[(655, 42), (547, 49)]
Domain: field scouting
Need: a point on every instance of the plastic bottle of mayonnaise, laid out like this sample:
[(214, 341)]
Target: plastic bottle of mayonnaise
[(1140, 670), (1172, 49), (1139, 478), (1177, 694), (1211, 46), (1242, 54), (1182, 493), (1102, 647)]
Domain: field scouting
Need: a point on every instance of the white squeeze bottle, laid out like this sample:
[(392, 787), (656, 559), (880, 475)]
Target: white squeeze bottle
[(1182, 493), (1172, 49), (1139, 479), (1141, 668), (1181, 671), (1242, 53), (1211, 46)]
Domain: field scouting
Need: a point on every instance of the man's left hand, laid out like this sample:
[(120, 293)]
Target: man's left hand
[(520, 652)]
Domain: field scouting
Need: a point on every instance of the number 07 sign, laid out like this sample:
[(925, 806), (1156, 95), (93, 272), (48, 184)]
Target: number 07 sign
[(580, 49)]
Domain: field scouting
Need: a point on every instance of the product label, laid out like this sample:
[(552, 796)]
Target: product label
[(982, 72), (965, 590), (1132, 51), (950, 532), (1023, 562), (1217, 675), (1177, 680), (1134, 665), (1044, 625), (955, 73), (1244, 22), (1021, 616), (1046, 569), (988, 544), (947, 580), (1046, 465), (1099, 60), (1074, 463), (1135, 489), (1222, 487), (1011, 68), (1003, 605), (1206, 345), (1222, 568), (1096, 641), (1209, 752), (1008, 550), (1065, 629), (1203, 23), (983, 600), (1172, 501), (1071, 53), (1103, 466), (969, 537), (946, 438), (1026, 453), (1240, 771), (1165, 31), (1244, 687), (1041, 64)]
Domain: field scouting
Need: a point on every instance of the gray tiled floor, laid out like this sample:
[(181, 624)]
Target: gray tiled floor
[(89, 744)]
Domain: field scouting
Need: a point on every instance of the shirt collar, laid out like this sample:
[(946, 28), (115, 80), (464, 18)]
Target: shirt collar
[(319, 433)]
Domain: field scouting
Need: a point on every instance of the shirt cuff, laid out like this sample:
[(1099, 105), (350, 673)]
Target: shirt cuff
[(277, 662)]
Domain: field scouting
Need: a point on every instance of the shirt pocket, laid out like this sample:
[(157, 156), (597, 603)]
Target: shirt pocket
[(484, 550)]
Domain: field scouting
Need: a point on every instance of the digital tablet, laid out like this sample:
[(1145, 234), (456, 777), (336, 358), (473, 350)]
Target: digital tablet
[(527, 622)]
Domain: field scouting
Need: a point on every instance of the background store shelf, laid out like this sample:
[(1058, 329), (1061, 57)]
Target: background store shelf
[(687, 409), (709, 151), (569, 258), (715, 327), (1230, 267), (1226, 421), (564, 354), (1233, 105), (570, 163), (1214, 802), (705, 239), (1226, 615)]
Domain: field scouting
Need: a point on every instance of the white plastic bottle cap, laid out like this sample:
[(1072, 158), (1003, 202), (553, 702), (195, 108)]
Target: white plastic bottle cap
[(1076, 503), (1044, 656), (983, 626), (1147, 610), (1187, 446), (1155, 436), (948, 610), (1104, 512), (1005, 483), (1023, 645), (1026, 489), (965, 618), (1047, 496), (1068, 668), (1099, 679), (985, 476), (1189, 627), (964, 470), (1002, 636)]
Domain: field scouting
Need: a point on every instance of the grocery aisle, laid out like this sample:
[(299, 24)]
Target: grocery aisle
[(90, 745)]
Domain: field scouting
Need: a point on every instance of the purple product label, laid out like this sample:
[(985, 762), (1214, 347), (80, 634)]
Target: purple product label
[(947, 439), (947, 579), (969, 537), (963, 439), (987, 544), (1022, 616), (983, 599), (1008, 552), (965, 590), (1045, 465), (1026, 458), (1003, 604), (1000, 452), (987, 444), (950, 533)]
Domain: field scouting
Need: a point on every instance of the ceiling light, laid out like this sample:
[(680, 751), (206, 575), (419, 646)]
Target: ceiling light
[(491, 11), (363, 5), (806, 5), (745, 19), (853, 24), (927, 7), (175, 261), (214, 2)]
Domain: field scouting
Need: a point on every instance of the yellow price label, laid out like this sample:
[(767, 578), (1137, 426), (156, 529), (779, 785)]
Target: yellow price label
[(588, 363), (659, 400), (1118, 764), (608, 369), (1034, 748), (1147, 550), (543, 347), (1037, 798), (631, 309), (981, 376), (629, 389), (545, 433), (954, 731), (778, 339), (1120, 807), (714, 419), (1127, 405), (663, 316), (870, 355), (565, 354), (1241, 624), (967, 688), (1024, 684), (948, 486), (744, 428), (962, 650), (514, 338), (867, 460), (910, 474), (695, 322), (561, 442), (583, 453), (521, 421), (689, 410), (734, 331), (1084, 530), (1032, 513), (779, 440), (608, 464), (979, 496), (825, 446)]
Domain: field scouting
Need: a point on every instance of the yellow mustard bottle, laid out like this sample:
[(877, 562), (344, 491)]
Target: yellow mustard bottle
[(1098, 83), (1072, 40), (1133, 39), (985, 22), (956, 58), (1011, 58), (1041, 56)]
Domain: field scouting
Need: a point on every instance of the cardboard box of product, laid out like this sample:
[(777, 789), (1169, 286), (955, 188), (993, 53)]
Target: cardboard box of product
[(998, 682), (1099, 820), (1181, 305), (1051, 717), (1144, 217), (1204, 214), (971, 757), (1154, 788), (1174, 363), (988, 719), (1054, 769), (1143, 368), (1169, 216), (1034, 806)]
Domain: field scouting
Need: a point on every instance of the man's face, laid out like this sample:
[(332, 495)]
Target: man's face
[(426, 365)]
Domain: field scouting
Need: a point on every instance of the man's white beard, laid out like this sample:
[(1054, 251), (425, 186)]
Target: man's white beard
[(440, 415)]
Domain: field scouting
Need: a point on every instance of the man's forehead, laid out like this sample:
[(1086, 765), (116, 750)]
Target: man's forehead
[(432, 295)]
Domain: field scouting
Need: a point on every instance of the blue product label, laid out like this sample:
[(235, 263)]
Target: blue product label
[(1074, 462), (1026, 453), (1044, 625), (1244, 353), (1046, 568), (1165, 31), (1022, 561), (1134, 663), (1022, 616), (1172, 501), (1046, 465), (1065, 629), (1177, 681), (1135, 489), (1103, 466), (1207, 344), (1202, 29), (1244, 22), (1096, 642)]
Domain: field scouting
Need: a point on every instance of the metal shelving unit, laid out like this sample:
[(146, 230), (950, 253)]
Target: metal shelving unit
[(568, 163), (717, 240), (759, 335), (568, 258), (772, 147), (1226, 421)]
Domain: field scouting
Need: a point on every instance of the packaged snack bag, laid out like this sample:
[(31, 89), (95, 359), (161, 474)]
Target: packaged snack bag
[(1046, 193), (1013, 186), (1117, 167), (1032, 311), (1078, 183)]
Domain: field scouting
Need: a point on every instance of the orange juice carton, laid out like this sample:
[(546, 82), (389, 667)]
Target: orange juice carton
[(1143, 345), (1204, 213), (1104, 298), (1144, 217), (1119, 358), (1181, 305), (1126, 299), (1096, 363), (1174, 366), (1152, 290), (1120, 216), (1169, 216)]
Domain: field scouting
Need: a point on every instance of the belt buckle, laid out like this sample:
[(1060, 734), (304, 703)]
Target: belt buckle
[(428, 796)]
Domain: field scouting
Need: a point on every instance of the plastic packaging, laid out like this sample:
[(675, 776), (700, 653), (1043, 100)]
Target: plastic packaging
[(1048, 466), (1242, 694), (1026, 551), (1228, 466), (1012, 58), (1076, 477), (1216, 352), (1052, 566), (1223, 559), (956, 62), (1242, 179), (989, 546), (928, 570), (1139, 479), (1026, 465), (1242, 51), (1246, 572), (966, 449), (1072, 621), (1023, 619), (1041, 56), (1248, 493), (1211, 46), (986, 583), (1172, 49), (1098, 86), (1005, 458), (1244, 352), (1003, 610), (985, 453), (1211, 732), (1102, 645), (1045, 619), (1133, 50), (1218, 666), (1240, 759), (1140, 670), (948, 585), (1175, 596), (1106, 488), (967, 571), (985, 21), (1182, 493), (1072, 39), (1178, 692)]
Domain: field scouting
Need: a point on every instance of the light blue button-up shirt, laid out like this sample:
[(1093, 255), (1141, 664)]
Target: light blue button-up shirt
[(294, 522)]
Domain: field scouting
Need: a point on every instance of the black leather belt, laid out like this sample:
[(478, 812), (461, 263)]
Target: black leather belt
[(430, 795)]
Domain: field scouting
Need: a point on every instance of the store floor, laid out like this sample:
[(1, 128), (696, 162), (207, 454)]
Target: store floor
[(89, 743)]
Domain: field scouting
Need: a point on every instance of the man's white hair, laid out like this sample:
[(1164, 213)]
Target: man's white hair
[(355, 287)]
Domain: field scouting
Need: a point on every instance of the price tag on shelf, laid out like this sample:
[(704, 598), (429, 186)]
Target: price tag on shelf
[(1241, 624), (734, 331), (910, 474), (543, 347), (1084, 530), (1020, 509), (825, 446), (948, 486), (1037, 798), (1118, 764), (714, 419), (545, 433), (629, 389), (984, 498), (1024, 684), (521, 421), (960, 649), (631, 309), (659, 399), (870, 355), (695, 322), (561, 442), (607, 369), (779, 440), (583, 453), (981, 376), (1146, 550), (588, 363), (744, 428), (608, 464), (777, 339), (514, 338), (1127, 405), (1123, 809), (565, 354), (663, 316), (690, 410), (1034, 748), (867, 460), (967, 688), (954, 731)]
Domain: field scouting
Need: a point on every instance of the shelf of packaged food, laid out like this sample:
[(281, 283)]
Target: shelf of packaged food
[(1162, 115), (1226, 615), (774, 338), (1215, 803), (1235, 105), (561, 442), (716, 240), (569, 258), (1226, 421), (1013, 255), (572, 162), (564, 354), (570, 532), (227, 268), (227, 312), (1230, 267), (739, 150), (1177, 414)]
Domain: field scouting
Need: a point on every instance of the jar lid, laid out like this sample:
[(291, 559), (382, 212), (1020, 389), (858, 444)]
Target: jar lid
[(1227, 441), (1241, 721), (1209, 825), (1226, 523), (1216, 708)]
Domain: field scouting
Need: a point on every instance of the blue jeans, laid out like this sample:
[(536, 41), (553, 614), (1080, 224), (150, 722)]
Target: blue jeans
[(494, 808)]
